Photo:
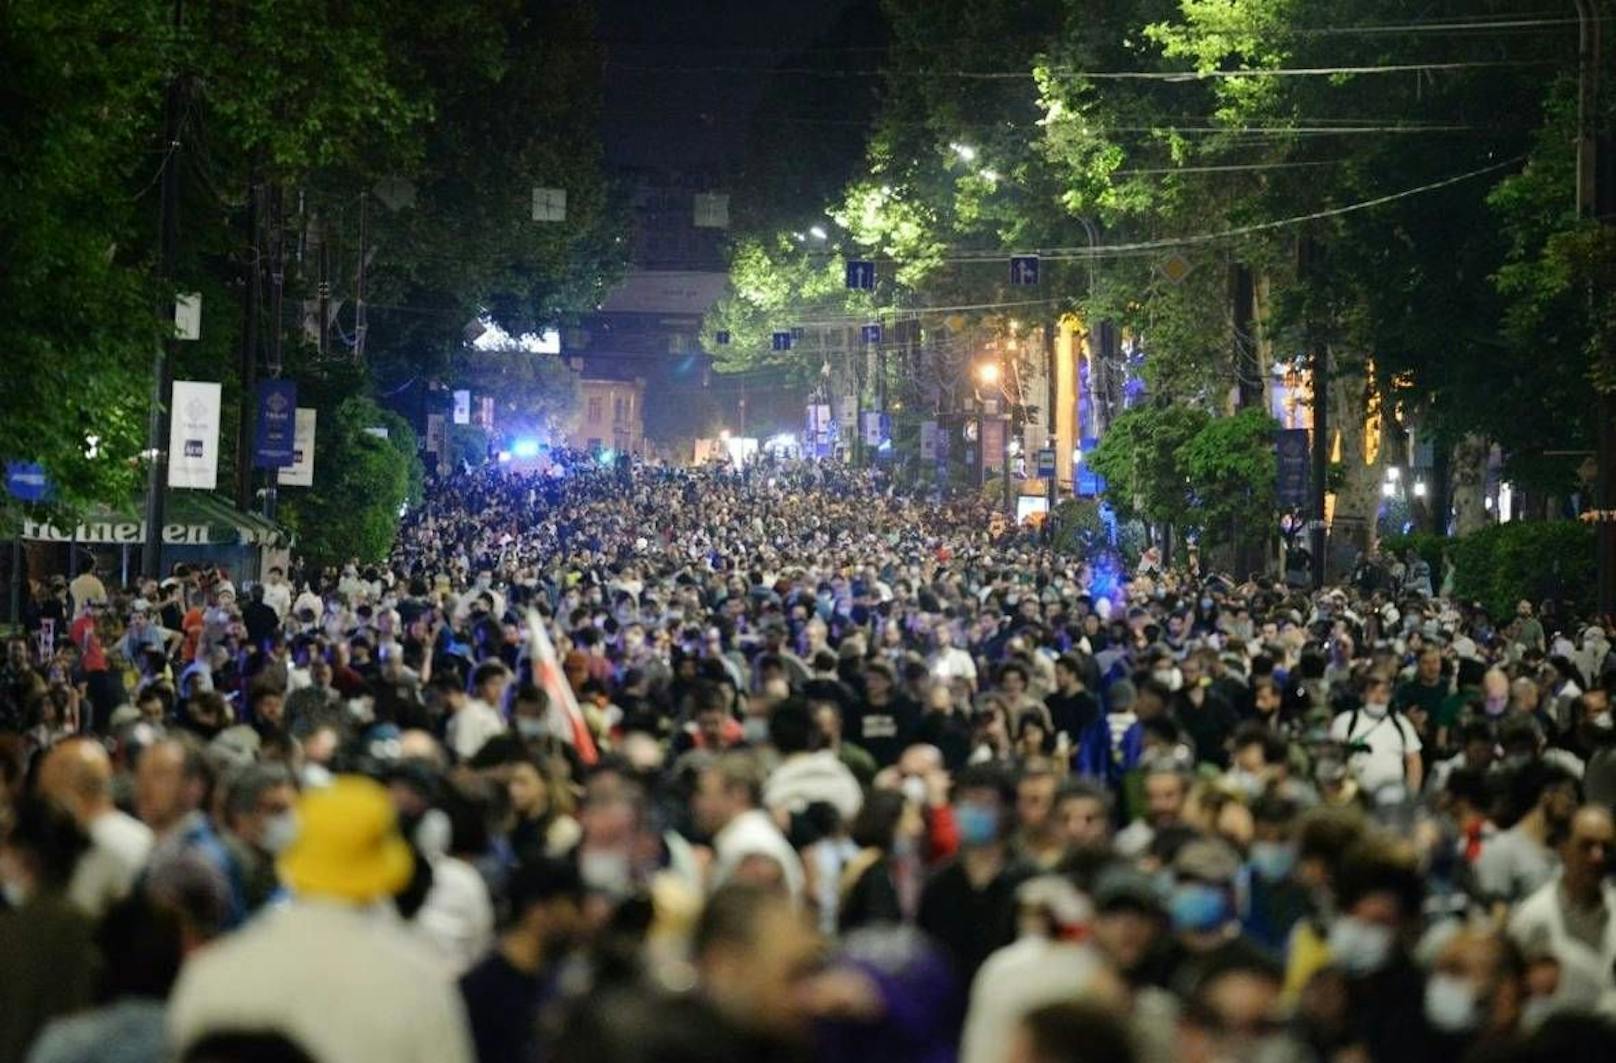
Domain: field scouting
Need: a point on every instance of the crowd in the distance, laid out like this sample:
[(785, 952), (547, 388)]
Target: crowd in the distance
[(815, 770)]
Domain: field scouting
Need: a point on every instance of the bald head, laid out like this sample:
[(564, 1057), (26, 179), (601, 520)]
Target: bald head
[(77, 775)]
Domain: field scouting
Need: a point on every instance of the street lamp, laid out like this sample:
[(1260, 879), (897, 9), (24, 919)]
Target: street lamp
[(987, 373), (964, 151), (817, 232)]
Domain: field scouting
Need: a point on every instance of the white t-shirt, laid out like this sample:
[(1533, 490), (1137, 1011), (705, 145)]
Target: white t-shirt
[(471, 728), (1390, 738)]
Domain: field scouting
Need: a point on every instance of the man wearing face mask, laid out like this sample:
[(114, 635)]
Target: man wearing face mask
[(969, 904), (1474, 996), (1379, 895), (1201, 906), (1384, 747), (1275, 900), (259, 824)]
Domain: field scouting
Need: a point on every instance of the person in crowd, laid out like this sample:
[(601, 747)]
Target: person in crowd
[(1572, 918), (506, 990), (968, 905), (77, 775), (747, 844), (330, 970), (48, 961)]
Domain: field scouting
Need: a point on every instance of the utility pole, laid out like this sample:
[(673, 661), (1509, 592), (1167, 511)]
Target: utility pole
[(1051, 400), (249, 353), (277, 284), (1307, 251), (1594, 195), (167, 244)]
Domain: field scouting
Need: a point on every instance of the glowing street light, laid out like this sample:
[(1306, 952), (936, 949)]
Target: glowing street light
[(818, 232), (1419, 488), (964, 151), (1388, 489), (988, 373)]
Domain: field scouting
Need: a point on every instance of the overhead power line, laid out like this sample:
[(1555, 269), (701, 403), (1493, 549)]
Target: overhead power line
[(1171, 76)]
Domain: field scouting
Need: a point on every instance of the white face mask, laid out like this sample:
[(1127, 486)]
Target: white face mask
[(15, 893), (1450, 1003), (279, 831), (1359, 948), (1375, 710)]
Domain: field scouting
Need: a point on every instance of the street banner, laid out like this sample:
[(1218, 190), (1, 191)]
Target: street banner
[(277, 415), (872, 428), (437, 441), (1292, 463), (994, 433), (928, 440), (462, 407), (301, 472), (193, 435)]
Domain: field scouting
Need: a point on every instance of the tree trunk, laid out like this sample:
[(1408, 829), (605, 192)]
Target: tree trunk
[(1352, 529), (1470, 485), (1442, 471)]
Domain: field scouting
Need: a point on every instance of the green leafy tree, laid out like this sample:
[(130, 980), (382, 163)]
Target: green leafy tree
[(361, 485), (1142, 460), (1230, 466), (77, 104)]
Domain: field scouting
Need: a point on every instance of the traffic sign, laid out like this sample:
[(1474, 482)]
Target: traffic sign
[(27, 482), (1024, 271), (1046, 462), (1175, 268), (872, 333), (860, 274), (722, 336), (781, 341)]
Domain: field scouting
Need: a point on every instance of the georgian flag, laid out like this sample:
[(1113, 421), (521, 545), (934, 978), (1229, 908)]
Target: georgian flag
[(566, 719)]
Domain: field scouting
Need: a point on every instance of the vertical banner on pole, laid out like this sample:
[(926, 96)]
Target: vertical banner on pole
[(928, 440), (462, 407), (277, 412), (1292, 462), (301, 472), (437, 441), (193, 437)]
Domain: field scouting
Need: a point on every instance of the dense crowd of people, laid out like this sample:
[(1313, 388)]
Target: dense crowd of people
[(646, 763)]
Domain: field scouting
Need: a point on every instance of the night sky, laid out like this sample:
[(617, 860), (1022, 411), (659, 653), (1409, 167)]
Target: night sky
[(698, 120)]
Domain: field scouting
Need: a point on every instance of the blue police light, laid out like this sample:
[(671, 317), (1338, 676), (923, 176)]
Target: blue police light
[(525, 448)]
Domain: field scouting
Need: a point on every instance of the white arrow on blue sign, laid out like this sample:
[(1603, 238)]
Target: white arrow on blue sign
[(782, 341), (872, 333), (26, 481), (861, 274), (1024, 271)]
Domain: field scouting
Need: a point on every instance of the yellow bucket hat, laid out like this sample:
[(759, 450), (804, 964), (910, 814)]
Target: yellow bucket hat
[(348, 845)]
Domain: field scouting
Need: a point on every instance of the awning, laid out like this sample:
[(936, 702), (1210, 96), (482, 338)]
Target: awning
[(190, 518)]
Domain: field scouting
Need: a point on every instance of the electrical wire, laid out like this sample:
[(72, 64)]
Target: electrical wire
[(1168, 76)]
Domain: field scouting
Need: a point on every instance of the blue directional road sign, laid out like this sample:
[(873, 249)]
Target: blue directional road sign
[(872, 333), (1024, 271), (26, 481), (782, 341), (861, 274), (722, 337), (1046, 462)]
